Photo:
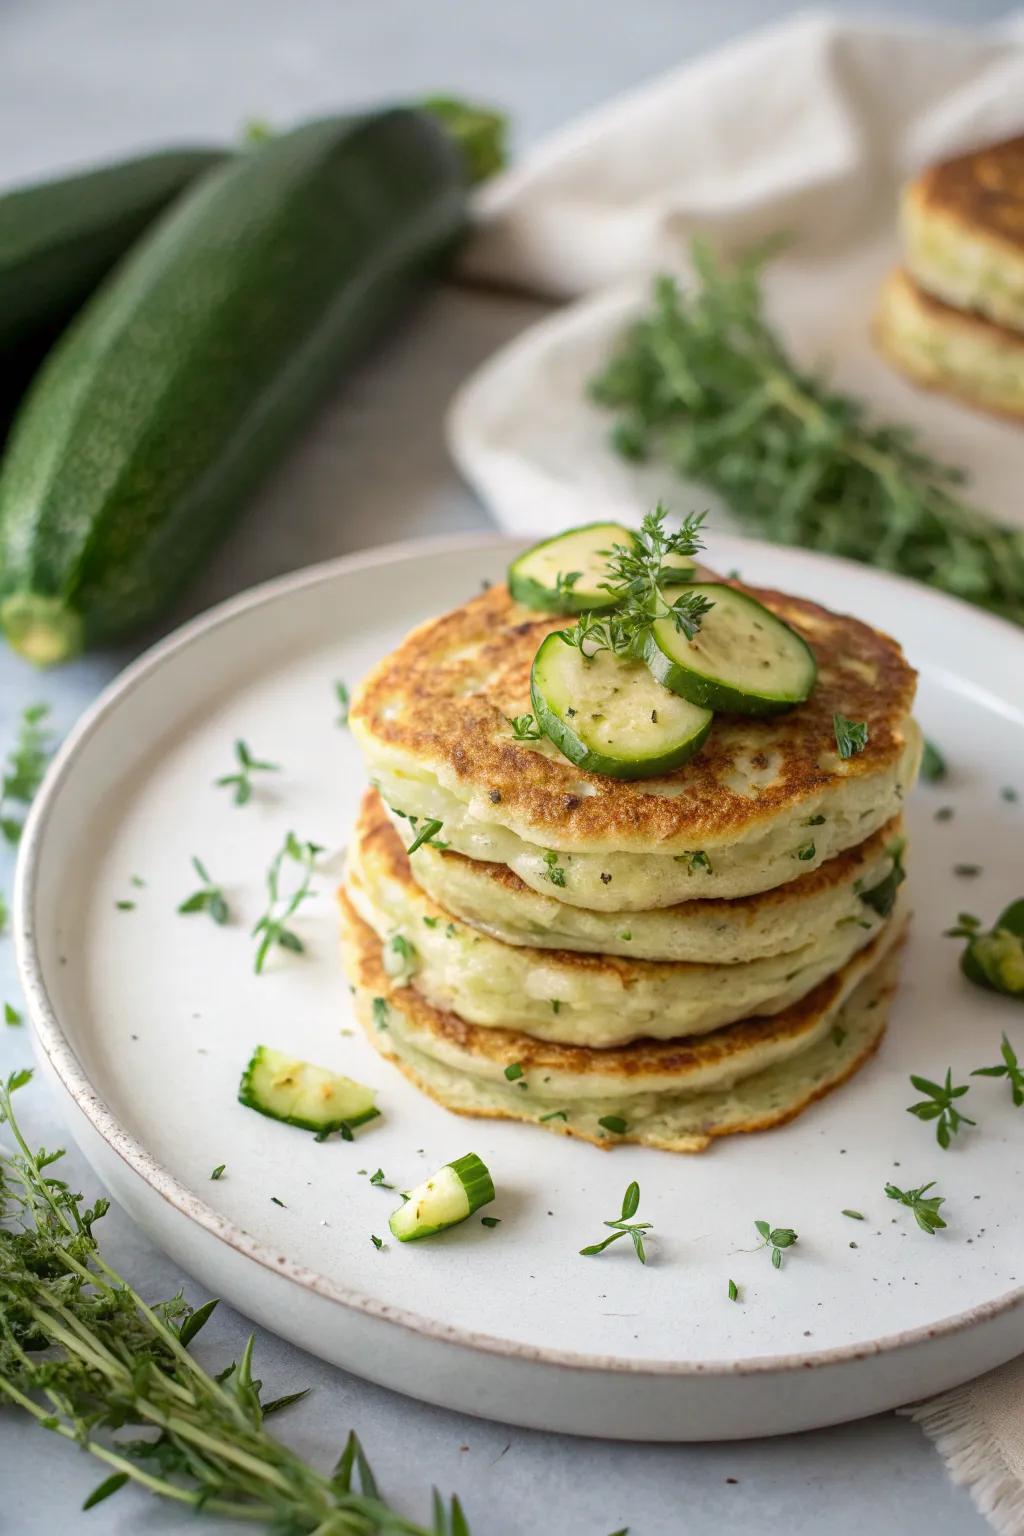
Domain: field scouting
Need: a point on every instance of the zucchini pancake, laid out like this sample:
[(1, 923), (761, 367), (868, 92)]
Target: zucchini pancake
[(630, 865)]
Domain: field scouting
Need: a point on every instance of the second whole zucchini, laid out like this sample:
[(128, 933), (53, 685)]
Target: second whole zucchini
[(182, 380)]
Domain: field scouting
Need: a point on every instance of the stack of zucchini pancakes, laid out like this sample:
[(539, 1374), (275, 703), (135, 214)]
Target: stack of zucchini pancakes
[(630, 865)]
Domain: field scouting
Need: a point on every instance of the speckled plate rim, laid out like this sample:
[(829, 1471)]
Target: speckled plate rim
[(51, 1041)]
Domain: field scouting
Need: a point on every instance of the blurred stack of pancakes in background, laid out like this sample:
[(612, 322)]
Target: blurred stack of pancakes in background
[(952, 317), (662, 960)]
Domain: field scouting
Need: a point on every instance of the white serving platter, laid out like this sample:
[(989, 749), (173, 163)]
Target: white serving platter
[(144, 1018)]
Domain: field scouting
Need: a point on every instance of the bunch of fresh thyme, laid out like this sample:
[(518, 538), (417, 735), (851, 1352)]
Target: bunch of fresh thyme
[(87, 1358), (640, 575), (24, 769), (703, 382)]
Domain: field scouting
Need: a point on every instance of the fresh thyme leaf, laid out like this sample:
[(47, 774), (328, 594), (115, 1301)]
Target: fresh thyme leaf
[(378, 1178), (694, 859), (940, 1106), (1009, 1067), (426, 834), (933, 764), (83, 1355), (734, 1291), (776, 1239), (378, 1242), (926, 1211), (241, 780), (490, 1221), (208, 898), (556, 874), (275, 1201), (702, 382), (851, 735), (380, 1012), (342, 699), (944, 813), (854, 1215), (556, 1114), (641, 575), (24, 769), (967, 871), (805, 852), (125, 906), (624, 1226), (523, 728), (881, 898), (11, 1014), (272, 929), (218, 1172), (514, 1071), (614, 1123)]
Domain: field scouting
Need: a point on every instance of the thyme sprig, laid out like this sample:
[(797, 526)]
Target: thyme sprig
[(624, 1226), (702, 382), (209, 898), (926, 1210), (940, 1105), (24, 769), (87, 1358), (272, 928), (241, 780), (524, 728), (1010, 1068), (641, 576), (777, 1239)]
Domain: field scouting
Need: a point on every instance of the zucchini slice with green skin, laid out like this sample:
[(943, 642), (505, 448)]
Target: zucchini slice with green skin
[(299, 1093), (582, 553), (609, 715), (743, 659), (446, 1198)]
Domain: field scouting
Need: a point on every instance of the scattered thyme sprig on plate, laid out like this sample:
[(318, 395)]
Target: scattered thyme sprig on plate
[(777, 1239), (24, 769), (639, 579), (1009, 1068), (702, 382), (940, 1106), (623, 1226), (272, 927), (241, 780), (926, 1210), (85, 1356), (209, 898)]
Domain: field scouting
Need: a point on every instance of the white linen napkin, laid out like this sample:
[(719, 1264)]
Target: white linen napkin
[(808, 127)]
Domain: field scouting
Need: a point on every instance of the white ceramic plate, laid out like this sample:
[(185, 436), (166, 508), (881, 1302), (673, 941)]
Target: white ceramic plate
[(144, 1019)]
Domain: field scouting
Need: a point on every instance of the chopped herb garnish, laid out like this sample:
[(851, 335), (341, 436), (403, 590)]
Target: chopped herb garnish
[(776, 1238), (638, 577), (378, 1178), (272, 927), (24, 769), (556, 1005), (944, 813), (138, 882), (623, 1225), (626, 936), (734, 1291), (431, 922), (1009, 794), (218, 1172), (815, 821), (933, 764), (523, 728), (513, 1071), (881, 898), (556, 874), (426, 834), (241, 781), (851, 736), (490, 1221), (275, 1201), (209, 897), (967, 871), (556, 1114), (940, 1106), (11, 1014), (926, 1211), (805, 852), (125, 906), (342, 699), (1009, 1067), (401, 959), (694, 859), (854, 1215), (378, 1242), (614, 1123), (380, 1012)]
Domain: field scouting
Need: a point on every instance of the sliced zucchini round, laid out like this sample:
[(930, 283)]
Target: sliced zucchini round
[(563, 574), (299, 1093), (609, 715), (742, 659), (446, 1198)]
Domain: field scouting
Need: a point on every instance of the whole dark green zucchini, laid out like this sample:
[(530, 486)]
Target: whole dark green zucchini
[(59, 238), (184, 377)]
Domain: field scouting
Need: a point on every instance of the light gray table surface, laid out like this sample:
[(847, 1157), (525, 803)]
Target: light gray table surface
[(80, 79)]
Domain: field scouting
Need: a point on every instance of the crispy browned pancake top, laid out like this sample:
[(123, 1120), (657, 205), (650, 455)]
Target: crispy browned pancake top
[(983, 190), (442, 699)]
